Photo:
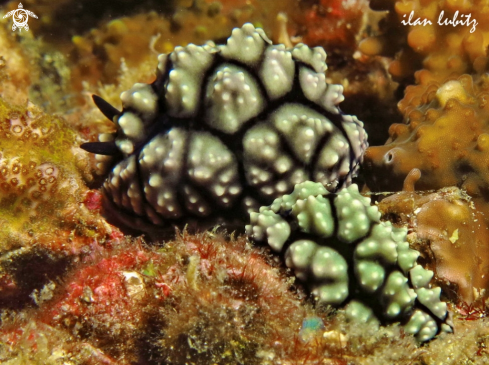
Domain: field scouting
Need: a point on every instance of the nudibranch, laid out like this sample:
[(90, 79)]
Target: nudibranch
[(337, 245), (225, 129)]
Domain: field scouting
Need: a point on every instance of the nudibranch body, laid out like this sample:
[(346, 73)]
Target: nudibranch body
[(225, 129), (337, 245)]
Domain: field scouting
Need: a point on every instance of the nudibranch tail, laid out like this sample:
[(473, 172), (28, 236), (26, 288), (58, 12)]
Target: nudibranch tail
[(108, 110)]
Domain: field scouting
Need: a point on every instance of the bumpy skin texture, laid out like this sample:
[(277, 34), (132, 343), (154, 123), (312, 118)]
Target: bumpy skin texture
[(225, 129), (338, 246)]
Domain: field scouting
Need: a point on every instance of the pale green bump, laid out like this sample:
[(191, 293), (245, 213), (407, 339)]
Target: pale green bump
[(407, 256), (314, 216), (398, 233), (446, 328), (315, 57), (132, 126), (378, 245), (421, 325), (354, 213), (232, 98), (246, 44), (276, 205), (277, 71), (327, 263), (358, 312), (333, 294), (431, 299), (428, 331), (277, 234), (369, 274), (398, 297), (367, 248), (303, 191), (418, 318), (266, 225), (393, 310), (420, 277), (373, 212), (142, 98), (299, 254)]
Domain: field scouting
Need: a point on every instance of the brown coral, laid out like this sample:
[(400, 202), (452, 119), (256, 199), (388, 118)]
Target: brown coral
[(445, 135), (451, 235)]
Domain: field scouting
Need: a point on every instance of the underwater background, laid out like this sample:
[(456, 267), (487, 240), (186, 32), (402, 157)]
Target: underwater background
[(104, 263)]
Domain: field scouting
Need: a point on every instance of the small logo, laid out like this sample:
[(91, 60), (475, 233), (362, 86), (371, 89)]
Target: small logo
[(20, 17)]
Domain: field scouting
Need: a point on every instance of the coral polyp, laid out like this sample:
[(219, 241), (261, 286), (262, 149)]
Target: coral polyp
[(224, 129)]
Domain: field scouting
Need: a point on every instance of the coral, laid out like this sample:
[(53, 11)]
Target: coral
[(102, 53), (442, 50), (15, 71), (40, 183), (332, 24), (451, 235), (47, 214), (219, 149), (444, 135), (338, 246)]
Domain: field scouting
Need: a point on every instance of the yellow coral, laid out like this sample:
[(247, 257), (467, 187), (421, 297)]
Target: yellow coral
[(445, 136), (40, 184)]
